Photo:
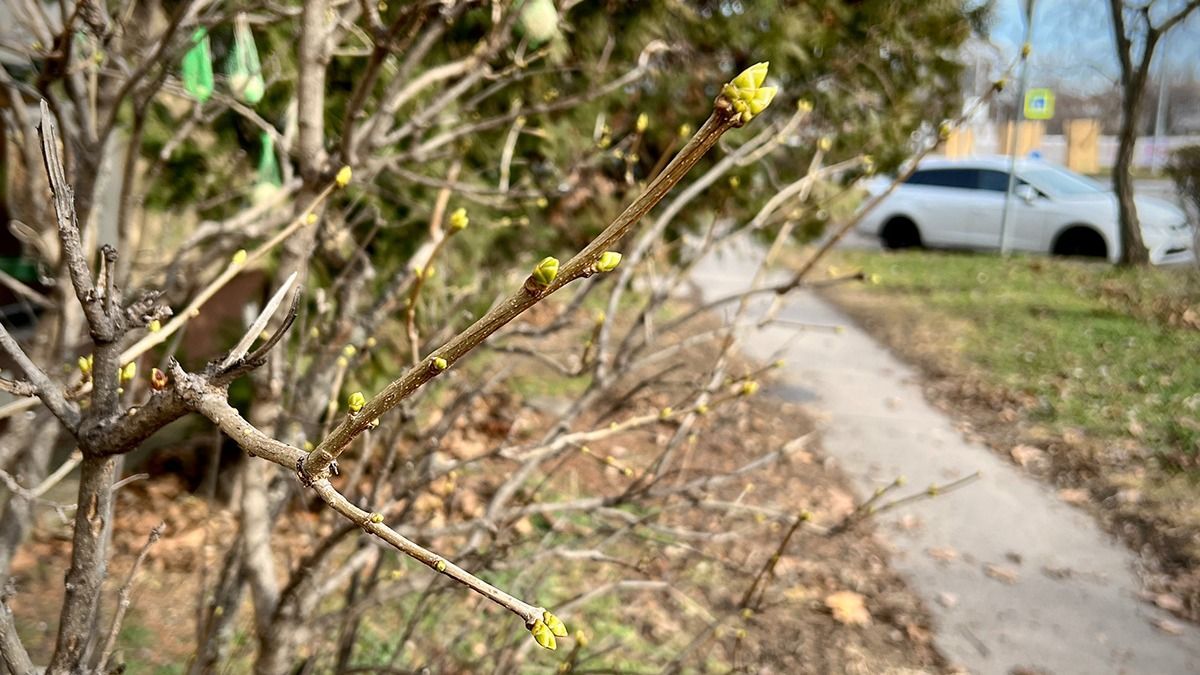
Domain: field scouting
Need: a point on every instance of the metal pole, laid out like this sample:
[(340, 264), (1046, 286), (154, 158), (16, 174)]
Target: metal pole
[(1018, 114)]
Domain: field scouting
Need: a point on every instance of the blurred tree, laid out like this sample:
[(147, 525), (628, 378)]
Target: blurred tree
[(1138, 25)]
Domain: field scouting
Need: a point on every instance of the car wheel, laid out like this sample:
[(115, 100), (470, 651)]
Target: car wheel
[(900, 233), (1080, 241)]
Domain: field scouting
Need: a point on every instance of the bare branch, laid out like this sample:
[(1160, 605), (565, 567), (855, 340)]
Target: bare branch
[(123, 599), (46, 389)]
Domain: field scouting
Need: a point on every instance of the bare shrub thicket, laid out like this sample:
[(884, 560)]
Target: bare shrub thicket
[(360, 296)]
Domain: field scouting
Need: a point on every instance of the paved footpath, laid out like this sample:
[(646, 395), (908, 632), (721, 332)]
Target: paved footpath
[(1061, 595)]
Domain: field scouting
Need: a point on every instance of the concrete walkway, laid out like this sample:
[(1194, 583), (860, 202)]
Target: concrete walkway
[(1060, 595)]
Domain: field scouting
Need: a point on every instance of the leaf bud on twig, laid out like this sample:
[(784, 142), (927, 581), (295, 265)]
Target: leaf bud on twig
[(607, 261), (747, 94), (545, 272), (542, 634), (158, 379), (555, 625)]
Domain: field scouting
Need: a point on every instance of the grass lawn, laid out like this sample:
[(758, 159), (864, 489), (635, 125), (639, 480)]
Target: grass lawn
[(1093, 345), (1094, 366)]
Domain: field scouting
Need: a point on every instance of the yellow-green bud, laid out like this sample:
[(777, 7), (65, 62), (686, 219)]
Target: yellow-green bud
[(545, 272), (554, 624), (804, 105), (128, 372), (376, 518), (825, 144), (344, 175), (749, 388), (944, 130), (581, 639), (607, 261), (348, 351), (155, 325), (311, 218), (439, 363), (685, 130), (371, 342), (440, 566), (665, 412), (999, 84), (356, 401), (85, 365), (702, 409), (1026, 50), (308, 446), (543, 635), (643, 121), (735, 182), (459, 220), (542, 202), (779, 363), (747, 94), (239, 257)]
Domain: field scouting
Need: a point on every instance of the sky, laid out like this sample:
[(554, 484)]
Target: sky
[(1073, 42)]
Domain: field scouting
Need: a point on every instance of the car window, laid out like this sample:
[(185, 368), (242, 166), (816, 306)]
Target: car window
[(1058, 181), (954, 178), (993, 181)]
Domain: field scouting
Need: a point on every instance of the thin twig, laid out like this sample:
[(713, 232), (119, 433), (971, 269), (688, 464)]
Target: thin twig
[(123, 599)]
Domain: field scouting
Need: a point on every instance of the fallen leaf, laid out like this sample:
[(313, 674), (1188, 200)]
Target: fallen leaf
[(849, 608), (1169, 602), (1027, 455), (1073, 495), (1002, 574), (942, 554), (1167, 626), (1057, 572), (1135, 428)]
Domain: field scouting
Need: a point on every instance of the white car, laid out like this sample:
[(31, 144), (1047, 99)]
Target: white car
[(960, 204)]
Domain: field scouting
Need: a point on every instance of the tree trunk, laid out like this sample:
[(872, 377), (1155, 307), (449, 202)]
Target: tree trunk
[(1133, 251)]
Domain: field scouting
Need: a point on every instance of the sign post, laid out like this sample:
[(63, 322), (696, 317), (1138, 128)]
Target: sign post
[(1026, 49)]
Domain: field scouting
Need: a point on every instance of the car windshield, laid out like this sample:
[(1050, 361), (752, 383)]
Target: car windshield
[(1061, 182)]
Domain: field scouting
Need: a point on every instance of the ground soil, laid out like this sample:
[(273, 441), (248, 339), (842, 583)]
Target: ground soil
[(830, 604)]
